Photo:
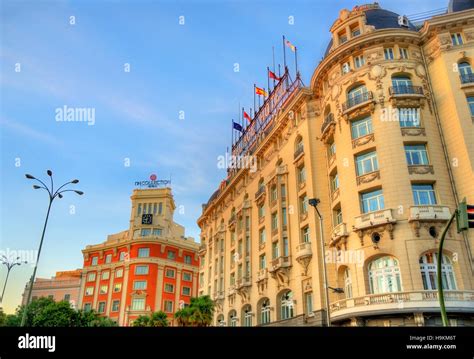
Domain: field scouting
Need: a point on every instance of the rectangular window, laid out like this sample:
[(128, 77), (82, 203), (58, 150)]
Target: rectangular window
[(87, 307), (301, 174), (187, 277), (89, 291), (456, 39), (286, 247), (105, 275), (170, 273), (261, 211), (117, 287), (91, 277), (275, 250), (361, 127), (346, 67), (67, 297), (366, 163), (247, 245), (342, 39), (262, 261), (403, 53), (169, 288), (416, 155), (247, 227), (160, 208), (305, 235), (355, 32), (332, 149), (304, 204), (423, 194), (337, 213), (188, 259), (261, 236), (274, 194), (168, 306), (284, 216), (274, 221), (139, 285), (122, 256), (145, 232), (141, 269), (115, 306), (372, 201), (232, 278), (470, 102), (139, 211), (138, 304), (186, 291), (154, 208), (359, 61), (119, 273), (283, 189), (308, 298), (95, 260), (409, 117), (143, 252), (157, 232), (104, 289), (388, 53), (334, 182), (108, 258), (101, 308)]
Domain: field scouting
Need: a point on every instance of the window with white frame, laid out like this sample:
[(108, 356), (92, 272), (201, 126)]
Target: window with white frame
[(428, 269), (104, 289), (115, 306), (170, 273), (138, 303), (372, 201), (301, 174), (261, 236), (287, 305), (275, 250), (384, 275), (388, 53), (262, 261), (248, 316), (141, 269), (346, 67), (169, 288), (359, 61), (95, 260), (337, 214), (143, 252), (186, 291), (361, 128), (119, 273), (366, 163), (108, 258), (308, 300), (91, 277), (101, 307), (470, 102), (265, 312), (347, 283), (139, 285), (403, 53), (105, 275), (409, 117), (416, 154), (145, 232), (187, 277), (457, 39), (423, 194), (334, 182), (117, 287), (89, 291), (305, 235)]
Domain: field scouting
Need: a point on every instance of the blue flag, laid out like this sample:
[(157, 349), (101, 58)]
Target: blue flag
[(237, 126)]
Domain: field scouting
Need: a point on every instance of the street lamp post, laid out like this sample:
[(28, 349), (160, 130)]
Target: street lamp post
[(10, 264), (314, 203), (52, 196)]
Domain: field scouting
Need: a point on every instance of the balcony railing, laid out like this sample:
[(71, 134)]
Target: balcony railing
[(374, 219), (467, 78), (406, 90), (429, 213), (280, 262), (357, 100), (303, 250), (232, 219), (424, 300), (260, 191), (327, 121), (339, 231), (262, 274), (298, 152), (202, 249), (243, 282)]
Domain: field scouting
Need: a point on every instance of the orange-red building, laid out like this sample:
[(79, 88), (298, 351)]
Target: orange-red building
[(149, 267)]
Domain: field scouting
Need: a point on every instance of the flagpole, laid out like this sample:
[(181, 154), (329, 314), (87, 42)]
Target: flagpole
[(273, 56), (279, 73), (296, 61), (268, 78), (284, 53), (254, 89)]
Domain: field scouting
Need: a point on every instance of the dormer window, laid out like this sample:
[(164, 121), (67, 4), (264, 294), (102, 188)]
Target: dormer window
[(342, 38), (346, 67), (355, 31)]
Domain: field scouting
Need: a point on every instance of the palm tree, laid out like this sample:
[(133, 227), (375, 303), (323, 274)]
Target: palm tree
[(202, 309), (183, 317), (159, 319), (142, 321)]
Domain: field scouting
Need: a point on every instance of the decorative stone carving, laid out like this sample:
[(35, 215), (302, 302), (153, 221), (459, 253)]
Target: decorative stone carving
[(369, 177), (413, 131), (421, 169), (363, 140)]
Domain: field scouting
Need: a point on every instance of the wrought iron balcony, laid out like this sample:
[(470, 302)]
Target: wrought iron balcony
[(467, 78), (357, 100), (299, 151), (327, 121), (405, 90)]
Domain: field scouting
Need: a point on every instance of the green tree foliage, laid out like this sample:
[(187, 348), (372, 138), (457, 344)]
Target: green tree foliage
[(199, 313), (156, 319)]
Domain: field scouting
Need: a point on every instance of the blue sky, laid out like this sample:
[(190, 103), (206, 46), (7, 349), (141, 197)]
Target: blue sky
[(173, 68)]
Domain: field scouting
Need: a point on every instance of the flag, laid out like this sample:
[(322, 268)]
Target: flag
[(247, 117), (260, 91), (237, 126), (273, 76), (290, 45)]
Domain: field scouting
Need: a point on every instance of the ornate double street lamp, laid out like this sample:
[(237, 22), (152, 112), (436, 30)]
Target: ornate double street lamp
[(10, 264), (52, 196)]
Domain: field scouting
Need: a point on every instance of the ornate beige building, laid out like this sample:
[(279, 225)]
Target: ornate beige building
[(383, 137)]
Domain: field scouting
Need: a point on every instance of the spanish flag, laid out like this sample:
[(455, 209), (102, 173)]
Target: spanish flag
[(290, 45), (261, 92), (272, 75)]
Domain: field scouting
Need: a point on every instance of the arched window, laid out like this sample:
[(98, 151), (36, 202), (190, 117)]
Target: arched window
[(428, 269), (247, 315), (384, 275), (465, 71), (347, 283), (265, 311), (287, 305), (233, 318), (220, 321), (402, 84), (357, 95)]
